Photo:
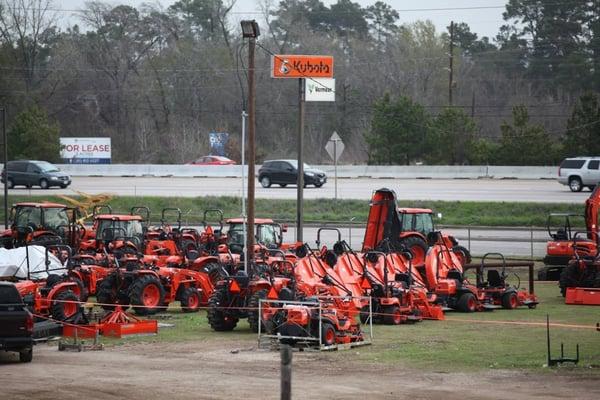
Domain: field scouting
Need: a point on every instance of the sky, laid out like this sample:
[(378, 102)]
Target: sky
[(483, 16)]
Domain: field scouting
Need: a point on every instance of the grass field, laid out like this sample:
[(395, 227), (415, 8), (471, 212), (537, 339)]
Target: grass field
[(454, 213), (462, 342)]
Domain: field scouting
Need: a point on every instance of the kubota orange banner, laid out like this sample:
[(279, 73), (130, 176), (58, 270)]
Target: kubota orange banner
[(301, 66)]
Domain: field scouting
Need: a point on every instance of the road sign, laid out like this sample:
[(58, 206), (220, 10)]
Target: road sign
[(319, 89), (301, 66), (335, 147)]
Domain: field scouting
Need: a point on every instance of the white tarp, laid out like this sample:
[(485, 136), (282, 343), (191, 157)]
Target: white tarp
[(13, 263)]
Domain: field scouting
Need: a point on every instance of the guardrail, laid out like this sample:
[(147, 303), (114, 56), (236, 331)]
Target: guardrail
[(344, 171)]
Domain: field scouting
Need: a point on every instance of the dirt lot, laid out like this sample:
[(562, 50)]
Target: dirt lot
[(232, 369)]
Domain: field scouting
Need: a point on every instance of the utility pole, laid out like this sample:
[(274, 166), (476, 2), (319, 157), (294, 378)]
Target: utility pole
[(473, 105), (5, 156), (250, 30), (451, 59), (300, 180)]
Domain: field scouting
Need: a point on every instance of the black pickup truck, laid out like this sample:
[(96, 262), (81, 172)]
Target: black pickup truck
[(16, 323)]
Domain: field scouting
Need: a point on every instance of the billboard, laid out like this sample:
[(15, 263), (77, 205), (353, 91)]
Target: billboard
[(218, 141), (301, 66), (85, 150), (319, 89)]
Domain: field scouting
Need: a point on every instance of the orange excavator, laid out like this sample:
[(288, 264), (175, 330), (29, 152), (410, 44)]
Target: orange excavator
[(560, 250)]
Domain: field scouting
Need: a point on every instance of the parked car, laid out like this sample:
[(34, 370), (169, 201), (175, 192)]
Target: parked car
[(30, 173), (213, 160), (285, 172), (16, 323), (579, 172)]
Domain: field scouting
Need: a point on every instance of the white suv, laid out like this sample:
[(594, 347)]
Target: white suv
[(579, 172)]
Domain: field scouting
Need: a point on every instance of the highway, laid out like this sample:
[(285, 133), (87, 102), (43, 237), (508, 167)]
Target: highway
[(359, 188)]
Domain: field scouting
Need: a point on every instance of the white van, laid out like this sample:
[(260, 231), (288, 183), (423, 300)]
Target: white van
[(579, 172)]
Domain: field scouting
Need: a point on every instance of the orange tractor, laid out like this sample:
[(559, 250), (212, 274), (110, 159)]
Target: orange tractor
[(151, 289), (404, 227), (107, 227), (40, 278), (580, 280), (42, 223), (560, 250)]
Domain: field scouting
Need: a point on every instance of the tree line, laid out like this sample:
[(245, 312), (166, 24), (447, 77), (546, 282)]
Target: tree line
[(158, 80)]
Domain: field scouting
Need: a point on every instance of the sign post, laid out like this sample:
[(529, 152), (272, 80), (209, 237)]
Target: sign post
[(307, 68), (335, 148)]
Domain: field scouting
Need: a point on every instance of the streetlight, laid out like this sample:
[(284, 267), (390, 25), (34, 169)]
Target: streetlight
[(250, 30)]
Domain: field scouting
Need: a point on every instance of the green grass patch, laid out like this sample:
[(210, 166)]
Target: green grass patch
[(454, 213), (463, 342)]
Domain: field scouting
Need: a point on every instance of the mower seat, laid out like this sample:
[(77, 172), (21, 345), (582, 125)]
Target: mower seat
[(456, 275), (242, 279), (494, 279)]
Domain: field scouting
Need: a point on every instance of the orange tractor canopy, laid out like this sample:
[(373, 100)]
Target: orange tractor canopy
[(42, 223), (559, 250)]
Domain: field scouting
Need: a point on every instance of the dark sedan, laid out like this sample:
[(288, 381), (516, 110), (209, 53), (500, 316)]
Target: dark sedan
[(285, 172)]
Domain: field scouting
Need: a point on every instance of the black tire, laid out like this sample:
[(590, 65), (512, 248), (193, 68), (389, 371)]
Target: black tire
[(44, 183), (26, 355), (136, 295), (542, 274), (265, 181), (10, 183), (463, 253), (327, 330), (253, 317), (218, 318), (190, 300), (63, 186), (84, 292), (318, 185), (569, 277), (510, 301), (391, 315), (283, 184), (106, 293), (57, 309), (364, 314), (466, 303), (415, 244), (215, 272), (575, 184), (52, 280)]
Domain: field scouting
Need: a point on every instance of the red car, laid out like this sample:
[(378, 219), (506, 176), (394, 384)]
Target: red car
[(213, 160)]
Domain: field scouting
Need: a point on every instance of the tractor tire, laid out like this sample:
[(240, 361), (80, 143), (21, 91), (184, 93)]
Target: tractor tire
[(84, 292), (392, 315), (364, 314), (190, 300), (106, 293), (253, 317), (327, 334), (466, 303), (510, 301), (215, 272), (26, 356), (64, 306), (569, 277), (147, 295), (417, 247), (218, 319), (463, 254)]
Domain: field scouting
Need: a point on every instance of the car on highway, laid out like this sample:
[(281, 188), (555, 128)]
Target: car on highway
[(30, 173), (213, 160), (16, 323), (285, 172), (579, 172)]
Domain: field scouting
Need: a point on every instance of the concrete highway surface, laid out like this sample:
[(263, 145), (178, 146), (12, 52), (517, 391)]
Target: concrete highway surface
[(359, 188)]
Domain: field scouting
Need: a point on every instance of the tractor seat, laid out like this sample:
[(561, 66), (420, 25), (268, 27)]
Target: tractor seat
[(494, 279), (560, 234), (456, 275)]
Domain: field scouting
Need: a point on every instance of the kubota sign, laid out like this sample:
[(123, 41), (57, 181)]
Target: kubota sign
[(300, 66)]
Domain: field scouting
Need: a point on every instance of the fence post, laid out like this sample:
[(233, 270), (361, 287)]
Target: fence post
[(286, 372)]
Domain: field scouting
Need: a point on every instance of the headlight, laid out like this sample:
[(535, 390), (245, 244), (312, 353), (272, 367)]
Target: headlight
[(54, 178), (311, 174)]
